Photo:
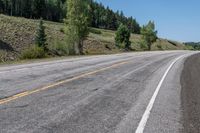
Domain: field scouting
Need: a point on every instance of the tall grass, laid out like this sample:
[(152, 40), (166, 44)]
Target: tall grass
[(3, 55), (59, 48), (33, 52)]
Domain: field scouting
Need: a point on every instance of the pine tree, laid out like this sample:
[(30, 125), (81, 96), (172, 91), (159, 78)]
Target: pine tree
[(1, 6), (40, 39), (122, 38), (39, 8), (26, 10), (55, 10), (76, 24)]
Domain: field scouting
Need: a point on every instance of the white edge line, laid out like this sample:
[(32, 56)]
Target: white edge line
[(145, 117)]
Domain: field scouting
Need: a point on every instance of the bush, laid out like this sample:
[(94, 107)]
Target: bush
[(143, 45), (62, 30), (33, 52)]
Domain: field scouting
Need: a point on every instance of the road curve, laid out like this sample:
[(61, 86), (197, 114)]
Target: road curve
[(97, 94)]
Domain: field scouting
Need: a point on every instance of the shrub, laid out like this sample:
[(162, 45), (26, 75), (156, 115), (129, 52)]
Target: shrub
[(143, 45), (62, 30), (33, 52), (122, 37)]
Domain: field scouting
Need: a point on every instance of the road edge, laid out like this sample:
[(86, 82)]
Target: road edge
[(190, 94)]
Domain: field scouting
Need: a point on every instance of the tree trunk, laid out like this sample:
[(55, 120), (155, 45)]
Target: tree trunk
[(11, 11), (149, 46), (76, 48), (81, 47)]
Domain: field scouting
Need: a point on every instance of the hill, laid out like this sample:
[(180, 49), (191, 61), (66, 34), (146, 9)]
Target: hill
[(17, 34)]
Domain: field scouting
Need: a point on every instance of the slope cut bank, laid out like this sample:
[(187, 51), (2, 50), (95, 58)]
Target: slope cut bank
[(190, 95)]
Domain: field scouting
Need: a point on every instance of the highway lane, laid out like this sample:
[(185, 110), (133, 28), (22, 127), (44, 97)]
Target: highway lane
[(96, 94)]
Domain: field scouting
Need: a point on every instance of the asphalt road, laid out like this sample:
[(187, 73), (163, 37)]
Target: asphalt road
[(121, 93), (191, 94)]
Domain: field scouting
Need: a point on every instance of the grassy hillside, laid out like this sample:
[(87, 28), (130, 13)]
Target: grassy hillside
[(17, 34), (161, 44)]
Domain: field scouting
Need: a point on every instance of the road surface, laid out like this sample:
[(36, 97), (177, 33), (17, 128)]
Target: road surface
[(122, 93), (190, 94)]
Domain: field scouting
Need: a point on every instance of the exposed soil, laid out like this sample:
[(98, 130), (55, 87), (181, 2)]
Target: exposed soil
[(190, 81)]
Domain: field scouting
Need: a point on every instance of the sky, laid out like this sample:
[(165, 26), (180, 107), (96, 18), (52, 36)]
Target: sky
[(175, 19)]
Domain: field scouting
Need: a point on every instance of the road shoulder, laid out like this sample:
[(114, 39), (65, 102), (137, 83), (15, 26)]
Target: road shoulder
[(190, 95)]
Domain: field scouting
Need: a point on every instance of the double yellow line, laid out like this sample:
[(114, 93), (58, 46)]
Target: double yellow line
[(26, 93)]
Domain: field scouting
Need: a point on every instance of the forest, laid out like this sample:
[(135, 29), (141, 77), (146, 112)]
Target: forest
[(56, 10)]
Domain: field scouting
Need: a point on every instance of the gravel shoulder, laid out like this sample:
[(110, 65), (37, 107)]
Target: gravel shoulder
[(190, 95)]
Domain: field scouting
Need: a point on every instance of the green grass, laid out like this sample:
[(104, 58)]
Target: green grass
[(17, 34), (108, 36)]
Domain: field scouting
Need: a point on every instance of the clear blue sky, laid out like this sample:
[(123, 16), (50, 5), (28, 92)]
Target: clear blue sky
[(175, 19)]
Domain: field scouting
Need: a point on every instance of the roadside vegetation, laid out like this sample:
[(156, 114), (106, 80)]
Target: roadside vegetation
[(40, 49), (76, 25), (122, 38), (193, 45), (149, 35), (79, 33)]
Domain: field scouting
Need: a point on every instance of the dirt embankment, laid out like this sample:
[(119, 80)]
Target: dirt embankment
[(190, 81)]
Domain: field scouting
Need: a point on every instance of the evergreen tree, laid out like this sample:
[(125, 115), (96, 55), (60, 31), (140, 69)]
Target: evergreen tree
[(122, 38), (39, 8), (149, 34), (1, 6), (26, 9), (55, 10), (40, 39), (77, 24)]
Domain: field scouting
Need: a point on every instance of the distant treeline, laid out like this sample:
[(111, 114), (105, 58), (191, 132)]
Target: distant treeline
[(195, 45), (55, 10), (106, 18)]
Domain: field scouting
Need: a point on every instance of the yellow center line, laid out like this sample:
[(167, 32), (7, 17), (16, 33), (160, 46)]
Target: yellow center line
[(26, 93)]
